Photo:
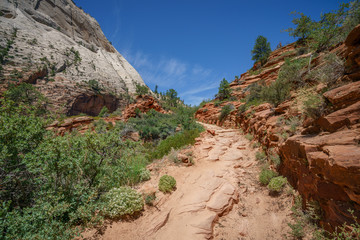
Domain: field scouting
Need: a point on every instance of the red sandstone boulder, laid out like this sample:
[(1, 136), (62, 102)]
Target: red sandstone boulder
[(344, 95)]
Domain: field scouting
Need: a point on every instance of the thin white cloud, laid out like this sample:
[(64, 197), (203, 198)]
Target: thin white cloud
[(202, 88), (188, 80)]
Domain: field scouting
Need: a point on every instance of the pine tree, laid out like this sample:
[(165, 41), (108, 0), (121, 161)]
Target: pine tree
[(261, 50), (224, 90)]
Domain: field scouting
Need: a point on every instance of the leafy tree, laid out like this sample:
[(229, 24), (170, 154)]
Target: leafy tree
[(21, 131), (332, 28), (261, 50), (156, 89), (304, 26), (224, 90), (172, 98)]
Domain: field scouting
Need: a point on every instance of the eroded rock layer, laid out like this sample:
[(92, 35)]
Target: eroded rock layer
[(320, 156)]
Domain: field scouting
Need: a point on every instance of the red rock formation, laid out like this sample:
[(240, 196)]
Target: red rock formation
[(144, 104), (321, 158), (85, 123)]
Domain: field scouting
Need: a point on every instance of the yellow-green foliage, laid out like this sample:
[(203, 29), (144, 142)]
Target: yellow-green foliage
[(122, 201), (266, 175), (276, 184), (167, 183)]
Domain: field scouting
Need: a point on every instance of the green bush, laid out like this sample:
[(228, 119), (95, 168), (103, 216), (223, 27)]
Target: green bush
[(329, 72), (141, 90), (314, 105), (104, 112), (149, 199), (156, 126), (225, 111), (275, 159), (276, 184), (293, 122), (277, 92), (122, 201), (291, 71), (260, 156), (144, 175), (249, 137), (167, 183), (21, 132), (266, 175), (94, 85), (176, 141)]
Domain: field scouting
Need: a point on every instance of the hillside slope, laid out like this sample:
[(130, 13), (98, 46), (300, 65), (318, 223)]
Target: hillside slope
[(63, 51), (315, 130)]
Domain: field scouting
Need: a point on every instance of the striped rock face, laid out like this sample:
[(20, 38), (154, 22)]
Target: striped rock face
[(62, 51)]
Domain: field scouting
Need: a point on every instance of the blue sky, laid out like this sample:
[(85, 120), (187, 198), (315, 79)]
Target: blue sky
[(191, 45)]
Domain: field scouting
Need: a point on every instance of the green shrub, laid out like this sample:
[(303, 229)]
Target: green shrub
[(176, 141), (104, 112), (94, 85), (141, 90), (167, 183), (291, 71), (330, 71), (276, 184), (217, 103), (348, 231), (256, 145), (225, 111), (275, 159), (122, 201), (293, 122), (149, 199), (21, 132), (26, 94), (266, 175), (249, 137), (314, 105), (144, 175), (260, 156)]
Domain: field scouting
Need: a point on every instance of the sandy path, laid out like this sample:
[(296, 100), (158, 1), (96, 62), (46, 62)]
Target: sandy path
[(218, 197)]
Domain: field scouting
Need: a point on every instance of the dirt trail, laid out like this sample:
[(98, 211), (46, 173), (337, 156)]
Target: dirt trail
[(218, 197)]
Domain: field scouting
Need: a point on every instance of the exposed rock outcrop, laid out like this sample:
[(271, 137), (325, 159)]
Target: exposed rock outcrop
[(143, 104), (63, 51), (320, 157), (89, 105)]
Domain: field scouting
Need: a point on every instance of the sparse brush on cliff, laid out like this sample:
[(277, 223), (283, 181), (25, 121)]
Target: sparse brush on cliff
[(141, 90), (330, 71), (314, 105)]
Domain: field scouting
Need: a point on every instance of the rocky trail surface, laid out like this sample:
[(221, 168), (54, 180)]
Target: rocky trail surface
[(219, 197)]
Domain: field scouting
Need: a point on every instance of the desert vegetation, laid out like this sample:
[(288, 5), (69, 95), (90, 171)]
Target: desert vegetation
[(63, 183)]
